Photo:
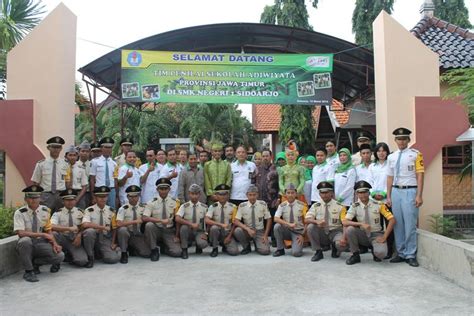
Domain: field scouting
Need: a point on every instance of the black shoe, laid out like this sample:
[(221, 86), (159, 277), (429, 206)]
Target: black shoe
[(279, 252), (198, 250), (377, 259), (132, 252), (67, 257), (412, 262), (90, 262), (317, 256), (124, 258), (36, 269), (224, 249), (326, 248), (30, 276), (397, 259), (55, 268), (155, 254), (363, 249), (214, 252), (334, 252), (274, 242), (184, 253), (355, 258), (246, 250)]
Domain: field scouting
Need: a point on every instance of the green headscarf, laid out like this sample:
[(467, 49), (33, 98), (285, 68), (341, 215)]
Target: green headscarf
[(308, 174), (346, 166), (280, 155)]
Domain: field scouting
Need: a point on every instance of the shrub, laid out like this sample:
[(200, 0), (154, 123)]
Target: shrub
[(444, 225), (6, 221)]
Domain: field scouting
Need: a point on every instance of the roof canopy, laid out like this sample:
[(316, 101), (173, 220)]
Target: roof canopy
[(353, 75)]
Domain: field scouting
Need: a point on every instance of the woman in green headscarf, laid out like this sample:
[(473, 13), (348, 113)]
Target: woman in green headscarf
[(280, 159), (308, 175), (344, 178)]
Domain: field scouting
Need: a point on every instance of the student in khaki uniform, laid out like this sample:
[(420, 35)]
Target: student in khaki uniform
[(159, 217), (250, 223), (99, 224), (219, 218), (36, 244), (52, 174), (324, 222), (367, 230), (129, 220), (190, 222), (289, 219), (67, 228), (77, 175)]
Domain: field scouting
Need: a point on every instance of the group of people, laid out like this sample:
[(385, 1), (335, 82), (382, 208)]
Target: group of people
[(331, 201)]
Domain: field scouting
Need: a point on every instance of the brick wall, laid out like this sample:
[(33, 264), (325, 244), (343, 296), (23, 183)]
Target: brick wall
[(456, 195)]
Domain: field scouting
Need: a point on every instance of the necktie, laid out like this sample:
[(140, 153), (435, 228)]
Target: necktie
[(326, 217), (34, 225), (397, 167), (366, 218), (71, 223), (101, 223), (254, 221), (163, 212), (194, 213), (222, 214), (107, 175), (53, 178), (72, 177), (292, 214), (135, 226)]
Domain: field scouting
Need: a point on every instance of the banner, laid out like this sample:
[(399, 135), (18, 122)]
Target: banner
[(157, 76)]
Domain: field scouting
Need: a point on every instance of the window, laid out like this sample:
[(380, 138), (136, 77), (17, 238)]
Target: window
[(456, 157)]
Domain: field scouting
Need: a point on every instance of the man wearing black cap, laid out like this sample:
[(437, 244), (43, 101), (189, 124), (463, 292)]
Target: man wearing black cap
[(99, 224), (103, 170), (96, 150), (324, 220), (367, 230), (129, 220), (190, 220), (362, 138), (362, 169), (219, 217), (51, 174), (36, 244), (405, 194), (126, 145), (67, 228), (159, 217)]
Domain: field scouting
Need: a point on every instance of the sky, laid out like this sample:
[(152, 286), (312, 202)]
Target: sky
[(103, 25)]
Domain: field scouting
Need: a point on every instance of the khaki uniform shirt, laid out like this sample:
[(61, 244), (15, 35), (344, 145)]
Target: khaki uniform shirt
[(214, 212), (155, 208), (23, 219), (78, 175), (299, 213), (43, 173), (375, 209), (337, 212), (244, 214), (92, 215), (125, 213), (186, 212), (61, 218)]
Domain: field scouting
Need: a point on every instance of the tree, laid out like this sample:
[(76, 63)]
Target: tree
[(364, 14), (296, 120), (17, 18), (452, 11)]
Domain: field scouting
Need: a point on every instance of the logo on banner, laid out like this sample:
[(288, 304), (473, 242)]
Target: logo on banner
[(134, 58), (317, 61)]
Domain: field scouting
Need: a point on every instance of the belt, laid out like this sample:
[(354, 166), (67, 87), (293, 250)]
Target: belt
[(405, 186)]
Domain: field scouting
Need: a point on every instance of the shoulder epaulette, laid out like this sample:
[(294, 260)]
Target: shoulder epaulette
[(317, 203), (299, 202), (356, 203), (262, 202), (40, 161), (172, 198), (23, 210), (415, 150), (90, 209), (80, 209), (232, 204), (155, 199), (215, 204), (111, 209), (203, 205), (339, 203), (142, 204), (187, 204), (125, 207), (285, 203), (243, 204), (45, 208)]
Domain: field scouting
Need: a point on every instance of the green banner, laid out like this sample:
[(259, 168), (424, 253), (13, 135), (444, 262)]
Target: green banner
[(152, 76)]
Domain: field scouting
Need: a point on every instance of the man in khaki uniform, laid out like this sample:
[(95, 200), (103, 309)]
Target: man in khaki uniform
[(250, 223), (36, 244), (129, 220), (66, 226), (289, 219), (159, 217), (219, 218), (78, 179), (367, 230), (99, 224), (324, 222), (51, 174), (190, 220)]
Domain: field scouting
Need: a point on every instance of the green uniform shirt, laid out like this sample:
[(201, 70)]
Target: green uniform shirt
[(215, 173), (291, 174)]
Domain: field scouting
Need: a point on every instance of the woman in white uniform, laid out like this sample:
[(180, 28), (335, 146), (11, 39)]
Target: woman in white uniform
[(378, 173), (344, 179)]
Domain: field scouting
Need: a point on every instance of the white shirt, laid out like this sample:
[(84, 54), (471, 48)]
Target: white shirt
[(79, 176), (344, 186), (378, 176), (149, 187), (98, 170), (411, 162), (324, 172), (241, 179), (166, 171), (333, 161), (133, 180), (362, 173), (43, 173)]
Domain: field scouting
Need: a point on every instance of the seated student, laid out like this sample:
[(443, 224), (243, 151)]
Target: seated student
[(190, 222), (289, 219), (250, 223), (99, 226), (219, 217), (159, 218), (322, 171), (36, 244), (367, 230), (67, 228), (129, 220), (324, 222)]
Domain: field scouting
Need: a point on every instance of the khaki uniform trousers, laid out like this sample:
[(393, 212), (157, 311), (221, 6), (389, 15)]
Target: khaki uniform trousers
[(36, 251), (217, 235), (244, 239), (281, 233), (358, 237), (187, 234), (127, 239), (164, 236), (318, 237), (94, 243), (78, 254)]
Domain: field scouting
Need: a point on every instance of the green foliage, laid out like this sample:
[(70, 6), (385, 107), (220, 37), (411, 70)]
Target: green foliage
[(297, 124), (364, 14), (452, 11), (6, 221), (444, 225), (461, 84), (291, 13)]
